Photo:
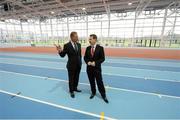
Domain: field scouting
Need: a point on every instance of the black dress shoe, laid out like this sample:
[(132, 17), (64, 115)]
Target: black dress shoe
[(72, 95), (77, 90), (105, 100), (92, 96)]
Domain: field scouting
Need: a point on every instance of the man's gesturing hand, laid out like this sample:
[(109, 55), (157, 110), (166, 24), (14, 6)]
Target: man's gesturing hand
[(58, 47)]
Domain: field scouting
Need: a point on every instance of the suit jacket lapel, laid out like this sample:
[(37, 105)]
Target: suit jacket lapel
[(96, 50), (78, 47), (90, 51), (72, 46), (78, 52)]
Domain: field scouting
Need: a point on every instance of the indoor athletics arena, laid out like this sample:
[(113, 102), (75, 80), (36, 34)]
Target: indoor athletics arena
[(90, 59)]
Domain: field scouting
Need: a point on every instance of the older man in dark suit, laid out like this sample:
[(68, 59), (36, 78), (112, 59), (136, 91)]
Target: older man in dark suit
[(74, 63)]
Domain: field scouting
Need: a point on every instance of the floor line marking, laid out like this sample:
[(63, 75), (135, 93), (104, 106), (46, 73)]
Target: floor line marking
[(109, 60), (104, 73), (103, 65), (55, 105), (107, 87)]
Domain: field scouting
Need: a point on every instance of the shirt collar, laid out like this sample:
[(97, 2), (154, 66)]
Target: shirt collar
[(72, 43), (94, 46)]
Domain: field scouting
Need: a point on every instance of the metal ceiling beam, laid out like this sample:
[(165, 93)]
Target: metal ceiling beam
[(31, 15), (20, 14), (2, 2), (57, 7), (142, 6), (107, 8), (115, 3), (15, 2), (162, 42), (176, 6), (61, 4), (91, 8)]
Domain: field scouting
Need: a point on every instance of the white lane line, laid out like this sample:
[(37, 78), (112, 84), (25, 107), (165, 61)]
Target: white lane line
[(104, 73), (31, 55), (55, 105), (107, 87), (176, 65), (66, 59), (109, 60), (84, 64)]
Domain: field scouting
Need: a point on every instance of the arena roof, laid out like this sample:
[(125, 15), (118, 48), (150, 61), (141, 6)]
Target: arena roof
[(28, 9)]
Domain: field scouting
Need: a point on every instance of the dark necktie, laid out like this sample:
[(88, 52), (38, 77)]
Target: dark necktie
[(75, 47), (92, 51)]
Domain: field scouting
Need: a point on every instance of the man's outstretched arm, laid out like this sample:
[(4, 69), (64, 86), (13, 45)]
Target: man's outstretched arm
[(61, 52)]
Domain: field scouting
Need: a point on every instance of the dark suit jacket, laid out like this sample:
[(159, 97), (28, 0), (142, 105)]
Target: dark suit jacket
[(98, 56), (74, 58)]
